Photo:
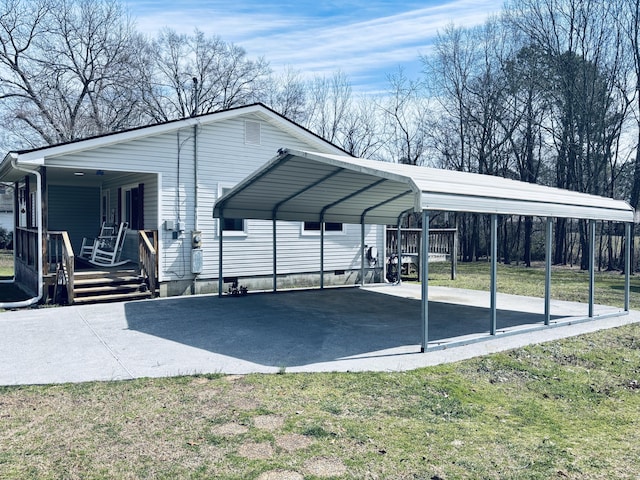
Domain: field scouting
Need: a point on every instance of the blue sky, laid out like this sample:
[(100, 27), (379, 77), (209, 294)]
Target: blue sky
[(364, 39)]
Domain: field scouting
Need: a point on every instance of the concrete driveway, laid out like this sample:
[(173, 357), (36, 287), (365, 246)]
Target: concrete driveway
[(345, 329)]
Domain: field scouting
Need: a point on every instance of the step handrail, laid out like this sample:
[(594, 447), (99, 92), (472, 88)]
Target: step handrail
[(148, 260), (67, 261)]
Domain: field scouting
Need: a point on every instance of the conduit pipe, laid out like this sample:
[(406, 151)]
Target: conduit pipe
[(38, 297)]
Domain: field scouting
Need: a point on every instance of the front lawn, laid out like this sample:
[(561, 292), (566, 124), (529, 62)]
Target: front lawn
[(565, 409), (566, 283)]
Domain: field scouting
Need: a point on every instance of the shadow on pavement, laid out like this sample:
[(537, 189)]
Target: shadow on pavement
[(298, 328)]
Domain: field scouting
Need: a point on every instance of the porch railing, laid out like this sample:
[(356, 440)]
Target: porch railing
[(60, 253), (26, 247), (148, 258)]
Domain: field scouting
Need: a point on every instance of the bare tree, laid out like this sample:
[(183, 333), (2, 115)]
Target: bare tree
[(328, 101), (195, 74), (583, 59), (66, 69), (360, 133), (286, 94), (405, 113), (629, 18)]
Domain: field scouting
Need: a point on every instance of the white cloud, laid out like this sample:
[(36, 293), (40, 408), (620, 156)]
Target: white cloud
[(322, 45)]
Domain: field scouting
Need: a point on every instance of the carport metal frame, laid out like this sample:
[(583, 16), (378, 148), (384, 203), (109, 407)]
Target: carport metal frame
[(414, 186)]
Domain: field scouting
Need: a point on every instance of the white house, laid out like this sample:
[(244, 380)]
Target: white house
[(163, 180)]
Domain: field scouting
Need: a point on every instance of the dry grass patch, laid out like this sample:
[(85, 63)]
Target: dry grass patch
[(325, 467), (293, 441), (280, 475), (256, 451), (270, 423)]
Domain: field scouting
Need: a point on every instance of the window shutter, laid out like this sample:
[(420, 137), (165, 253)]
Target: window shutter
[(119, 205), (140, 206)]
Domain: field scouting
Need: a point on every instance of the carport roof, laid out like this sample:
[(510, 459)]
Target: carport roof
[(309, 186)]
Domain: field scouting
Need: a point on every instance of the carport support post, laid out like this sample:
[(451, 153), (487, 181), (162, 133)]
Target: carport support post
[(399, 251), (322, 253), (424, 268), (275, 257), (547, 272), (220, 231), (627, 265), (592, 261), (494, 271), (362, 250)]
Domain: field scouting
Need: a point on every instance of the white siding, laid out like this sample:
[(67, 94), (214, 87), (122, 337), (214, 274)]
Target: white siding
[(165, 164), (224, 160)]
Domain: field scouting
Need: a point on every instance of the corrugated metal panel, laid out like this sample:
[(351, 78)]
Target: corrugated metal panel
[(336, 185)]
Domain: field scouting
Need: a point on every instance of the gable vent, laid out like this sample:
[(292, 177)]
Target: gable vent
[(252, 133)]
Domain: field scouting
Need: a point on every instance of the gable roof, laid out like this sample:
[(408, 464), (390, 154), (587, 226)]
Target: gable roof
[(35, 157), (310, 186)]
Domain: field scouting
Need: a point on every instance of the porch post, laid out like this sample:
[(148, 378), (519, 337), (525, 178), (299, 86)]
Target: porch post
[(220, 232), (494, 272), (592, 261), (275, 257), (424, 267), (547, 272), (627, 265), (44, 205)]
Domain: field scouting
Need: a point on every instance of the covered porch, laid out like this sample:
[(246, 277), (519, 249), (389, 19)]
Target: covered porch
[(56, 208)]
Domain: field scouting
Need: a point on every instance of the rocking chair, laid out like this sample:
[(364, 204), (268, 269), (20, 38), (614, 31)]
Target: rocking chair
[(108, 232), (105, 250)]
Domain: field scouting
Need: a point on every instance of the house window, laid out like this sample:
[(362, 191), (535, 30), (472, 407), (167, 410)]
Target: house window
[(314, 227), (132, 206), (233, 226)]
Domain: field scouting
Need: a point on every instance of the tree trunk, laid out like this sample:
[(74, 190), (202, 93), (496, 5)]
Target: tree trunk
[(560, 240)]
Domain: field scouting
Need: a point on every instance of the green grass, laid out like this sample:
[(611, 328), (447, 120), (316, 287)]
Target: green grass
[(566, 283), (6, 263), (8, 291), (564, 409)]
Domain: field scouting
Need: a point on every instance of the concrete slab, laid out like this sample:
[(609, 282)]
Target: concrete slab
[(346, 329)]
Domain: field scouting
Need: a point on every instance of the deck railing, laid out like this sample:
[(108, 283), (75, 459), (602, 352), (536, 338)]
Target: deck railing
[(60, 253), (148, 258), (442, 242)]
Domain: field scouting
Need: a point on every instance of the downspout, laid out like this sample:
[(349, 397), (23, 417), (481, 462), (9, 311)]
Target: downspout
[(195, 171), (36, 299), (195, 199)]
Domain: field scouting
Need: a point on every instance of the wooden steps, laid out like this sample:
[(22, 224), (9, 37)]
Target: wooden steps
[(94, 286)]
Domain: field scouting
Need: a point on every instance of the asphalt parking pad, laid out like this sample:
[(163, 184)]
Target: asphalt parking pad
[(284, 329), (297, 328)]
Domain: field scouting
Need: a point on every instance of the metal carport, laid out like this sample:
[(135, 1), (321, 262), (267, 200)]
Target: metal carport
[(308, 186)]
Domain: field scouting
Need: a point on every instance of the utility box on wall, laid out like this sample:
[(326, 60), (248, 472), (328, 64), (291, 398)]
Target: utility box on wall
[(196, 260), (196, 251)]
